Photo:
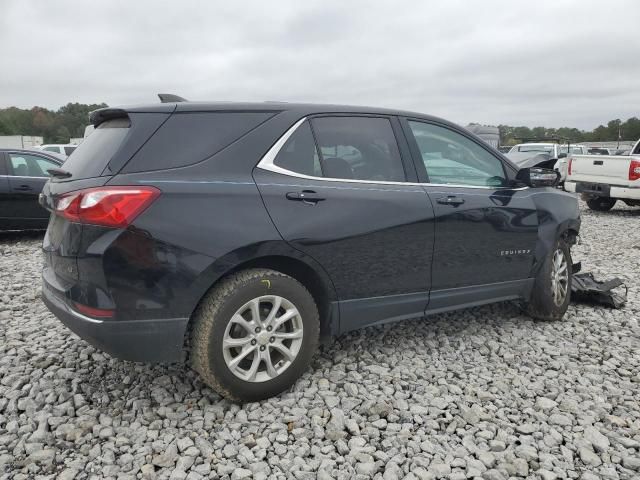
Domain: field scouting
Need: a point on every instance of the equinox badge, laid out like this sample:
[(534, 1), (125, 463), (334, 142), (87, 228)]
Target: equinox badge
[(525, 251)]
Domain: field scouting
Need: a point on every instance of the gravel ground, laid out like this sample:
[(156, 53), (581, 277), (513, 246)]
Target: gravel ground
[(484, 393)]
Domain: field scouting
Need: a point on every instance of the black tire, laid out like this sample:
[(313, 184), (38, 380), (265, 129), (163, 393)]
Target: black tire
[(601, 204), (542, 305), (213, 315)]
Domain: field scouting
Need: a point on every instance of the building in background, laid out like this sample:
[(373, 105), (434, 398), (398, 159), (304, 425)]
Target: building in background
[(20, 141), (489, 134)]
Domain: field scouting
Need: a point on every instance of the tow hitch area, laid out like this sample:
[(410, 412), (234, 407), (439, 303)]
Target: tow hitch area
[(586, 289)]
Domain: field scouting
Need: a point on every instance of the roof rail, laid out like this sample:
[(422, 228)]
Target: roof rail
[(170, 98)]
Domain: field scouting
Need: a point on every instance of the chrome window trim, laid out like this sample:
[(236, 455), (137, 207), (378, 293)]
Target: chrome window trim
[(22, 176), (266, 163)]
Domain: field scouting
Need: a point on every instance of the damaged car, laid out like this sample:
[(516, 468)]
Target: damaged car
[(244, 234), (545, 155)]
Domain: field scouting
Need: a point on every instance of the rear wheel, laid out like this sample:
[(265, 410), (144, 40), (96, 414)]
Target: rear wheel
[(254, 334), (601, 204), (552, 289)]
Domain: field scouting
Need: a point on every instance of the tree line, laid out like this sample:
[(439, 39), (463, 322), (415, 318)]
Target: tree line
[(70, 120), (55, 126), (614, 130)]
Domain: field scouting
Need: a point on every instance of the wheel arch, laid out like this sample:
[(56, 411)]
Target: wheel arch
[(558, 218), (290, 262)]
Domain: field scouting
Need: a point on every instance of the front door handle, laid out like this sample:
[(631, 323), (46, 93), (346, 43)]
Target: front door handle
[(450, 200), (306, 196), (23, 188)]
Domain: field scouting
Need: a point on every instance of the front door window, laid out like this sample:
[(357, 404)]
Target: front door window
[(452, 159)]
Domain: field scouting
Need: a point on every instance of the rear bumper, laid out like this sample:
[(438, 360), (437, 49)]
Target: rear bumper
[(603, 190), (134, 340)]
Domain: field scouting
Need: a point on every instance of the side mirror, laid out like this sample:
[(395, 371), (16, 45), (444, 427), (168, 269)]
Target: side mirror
[(562, 155), (537, 177)]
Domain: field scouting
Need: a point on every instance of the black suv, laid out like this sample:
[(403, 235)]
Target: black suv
[(249, 232)]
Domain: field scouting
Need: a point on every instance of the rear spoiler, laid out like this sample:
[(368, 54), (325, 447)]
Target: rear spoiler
[(103, 114), (100, 116)]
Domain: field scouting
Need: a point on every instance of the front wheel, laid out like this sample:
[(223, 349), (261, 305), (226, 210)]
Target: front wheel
[(552, 288), (254, 334), (601, 204)]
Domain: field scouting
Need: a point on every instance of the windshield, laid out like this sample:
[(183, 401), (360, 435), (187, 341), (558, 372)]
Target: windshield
[(576, 149)]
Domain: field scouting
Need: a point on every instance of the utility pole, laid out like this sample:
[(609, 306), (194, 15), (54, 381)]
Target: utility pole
[(619, 136)]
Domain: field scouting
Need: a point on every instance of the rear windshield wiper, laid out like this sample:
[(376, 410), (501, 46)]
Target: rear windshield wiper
[(58, 173)]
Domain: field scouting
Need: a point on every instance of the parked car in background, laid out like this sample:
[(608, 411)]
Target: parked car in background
[(544, 155), (23, 173), (258, 228), (61, 149), (487, 133), (553, 149), (602, 180)]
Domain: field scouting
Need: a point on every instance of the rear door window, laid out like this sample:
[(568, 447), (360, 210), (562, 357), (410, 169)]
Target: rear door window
[(299, 154), (358, 148)]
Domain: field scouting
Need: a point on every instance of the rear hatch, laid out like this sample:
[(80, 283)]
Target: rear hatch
[(95, 196), (117, 137), (607, 169)]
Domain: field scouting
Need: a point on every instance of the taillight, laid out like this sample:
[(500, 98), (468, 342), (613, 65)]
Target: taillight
[(107, 206), (569, 167), (634, 170)]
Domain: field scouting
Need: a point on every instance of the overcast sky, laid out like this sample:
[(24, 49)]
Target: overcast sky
[(552, 63)]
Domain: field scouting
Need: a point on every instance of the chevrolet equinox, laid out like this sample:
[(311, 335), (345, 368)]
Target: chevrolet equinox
[(246, 233)]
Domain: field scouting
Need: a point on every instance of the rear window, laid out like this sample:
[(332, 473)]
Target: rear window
[(90, 158), (188, 138)]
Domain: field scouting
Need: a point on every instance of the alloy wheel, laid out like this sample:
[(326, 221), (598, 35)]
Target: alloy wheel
[(263, 338), (559, 277)]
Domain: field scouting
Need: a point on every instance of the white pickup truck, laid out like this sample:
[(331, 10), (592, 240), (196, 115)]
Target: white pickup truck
[(602, 180)]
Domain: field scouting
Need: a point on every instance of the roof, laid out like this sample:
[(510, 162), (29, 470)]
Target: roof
[(98, 116)]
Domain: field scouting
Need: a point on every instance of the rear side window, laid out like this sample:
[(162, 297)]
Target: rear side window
[(188, 138), (69, 150), (92, 156), (299, 154), (359, 148)]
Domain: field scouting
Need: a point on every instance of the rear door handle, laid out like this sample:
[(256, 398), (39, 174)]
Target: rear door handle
[(306, 196), (450, 200), (23, 188)]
